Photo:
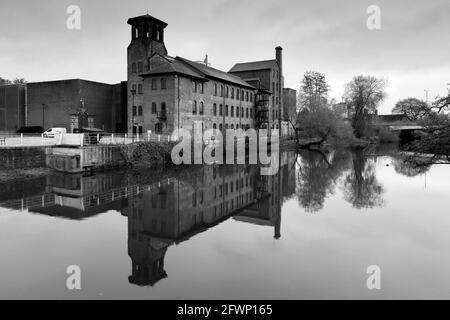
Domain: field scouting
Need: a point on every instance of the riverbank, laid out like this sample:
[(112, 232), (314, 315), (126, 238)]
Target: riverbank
[(23, 174)]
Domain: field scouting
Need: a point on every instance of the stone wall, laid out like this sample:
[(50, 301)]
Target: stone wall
[(22, 158)]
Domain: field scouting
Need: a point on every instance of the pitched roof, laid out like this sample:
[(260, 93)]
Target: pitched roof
[(174, 66), (215, 73), (255, 65), (146, 17)]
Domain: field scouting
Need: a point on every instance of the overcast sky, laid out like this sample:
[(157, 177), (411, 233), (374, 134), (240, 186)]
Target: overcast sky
[(412, 49)]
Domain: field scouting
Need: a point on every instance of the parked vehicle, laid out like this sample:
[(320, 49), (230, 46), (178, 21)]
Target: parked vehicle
[(36, 130), (52, 132)]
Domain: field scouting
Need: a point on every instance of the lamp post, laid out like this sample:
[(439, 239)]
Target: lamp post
[(43, 116)]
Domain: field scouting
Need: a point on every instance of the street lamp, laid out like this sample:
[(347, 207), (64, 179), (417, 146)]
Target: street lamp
[(43, 116)]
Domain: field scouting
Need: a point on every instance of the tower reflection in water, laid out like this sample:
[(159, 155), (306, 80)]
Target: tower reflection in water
[(170, 209)]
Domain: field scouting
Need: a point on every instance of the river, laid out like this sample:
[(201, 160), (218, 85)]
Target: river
[(226, 232)]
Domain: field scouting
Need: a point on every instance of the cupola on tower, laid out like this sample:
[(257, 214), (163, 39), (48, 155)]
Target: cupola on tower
[(147, 38)]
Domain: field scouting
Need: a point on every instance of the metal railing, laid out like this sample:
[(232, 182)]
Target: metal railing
[(26, 140)]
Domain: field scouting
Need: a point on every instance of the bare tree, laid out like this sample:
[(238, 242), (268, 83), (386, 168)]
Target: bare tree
[(363, 95), (313, 91), (414, 109)]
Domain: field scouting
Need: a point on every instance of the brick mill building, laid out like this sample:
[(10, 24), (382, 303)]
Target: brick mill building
[(166, 93)]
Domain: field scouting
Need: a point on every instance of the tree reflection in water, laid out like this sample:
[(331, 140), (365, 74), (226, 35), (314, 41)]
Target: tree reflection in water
[(317, 176), (361, 187)]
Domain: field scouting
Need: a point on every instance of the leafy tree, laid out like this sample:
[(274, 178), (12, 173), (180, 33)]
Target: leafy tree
[(313, 91), (363, 95), (414, 109)]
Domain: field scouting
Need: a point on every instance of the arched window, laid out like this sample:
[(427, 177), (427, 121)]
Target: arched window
[(246, 112), (232, 93), (220, 110), (220, 127), (201, 107), (237, 94), (221, 90), (226, 126), (232, 111), (214, 126), (237, 126), (133, 67), (215, 89), (146, 31), (237, 111), (154, 32), (194, 107), (232, 126), (215, 109)]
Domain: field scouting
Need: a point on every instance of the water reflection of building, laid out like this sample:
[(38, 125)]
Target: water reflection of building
[(165, 211)]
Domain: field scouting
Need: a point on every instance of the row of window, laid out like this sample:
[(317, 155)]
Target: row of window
[(138, 111), (244, 112), (224, 91)]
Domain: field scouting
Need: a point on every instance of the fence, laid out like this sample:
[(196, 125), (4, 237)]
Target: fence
[(25, 140), (116, 139)]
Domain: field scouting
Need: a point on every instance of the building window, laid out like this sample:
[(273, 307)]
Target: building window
[(163, 83), (215, 109), (133, 67), (220, 127), (194, 86), (202, 87), (153, 107), (214, 126), (139, 88), (139, 67), (246, 96), (228, 91), (221, 90), (215, 89), (226, 126), (226, 111), (251, 113), (194, 107), (232, 127), (232, 93), (242, 95), (201, 107), (237, 94), (251, 96), (237, 111), (154, 84), (134, 111), (246, 112), (237, 126), (133, 88), (242, 111), (140, 111), (232, 111), (220, 110)]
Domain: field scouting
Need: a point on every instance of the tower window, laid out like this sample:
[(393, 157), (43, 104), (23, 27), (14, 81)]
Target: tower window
[(153, 107), (154, 84), (163, 83)]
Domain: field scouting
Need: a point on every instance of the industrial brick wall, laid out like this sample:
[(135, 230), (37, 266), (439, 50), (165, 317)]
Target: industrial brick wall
[(22, 158)]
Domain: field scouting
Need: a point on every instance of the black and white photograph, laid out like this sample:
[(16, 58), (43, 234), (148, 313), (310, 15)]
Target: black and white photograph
[(224, 150)]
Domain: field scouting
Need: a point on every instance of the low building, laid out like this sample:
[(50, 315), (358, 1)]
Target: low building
[(12, 107), (57, 104)]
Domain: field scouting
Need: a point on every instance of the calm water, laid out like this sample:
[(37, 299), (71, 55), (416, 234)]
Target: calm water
[(226, 232)]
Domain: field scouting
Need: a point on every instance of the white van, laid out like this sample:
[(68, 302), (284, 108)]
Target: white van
[(52, 132)]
